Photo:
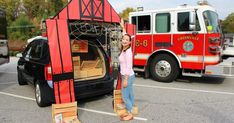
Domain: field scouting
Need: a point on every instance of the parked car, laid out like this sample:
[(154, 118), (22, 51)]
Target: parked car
[(34, 68), (4, 49), (228, 51), (4, 52)]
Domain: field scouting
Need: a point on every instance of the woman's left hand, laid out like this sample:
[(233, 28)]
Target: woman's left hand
[(125, 83)]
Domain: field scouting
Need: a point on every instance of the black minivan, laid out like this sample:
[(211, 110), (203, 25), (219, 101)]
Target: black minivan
[(34, 68)]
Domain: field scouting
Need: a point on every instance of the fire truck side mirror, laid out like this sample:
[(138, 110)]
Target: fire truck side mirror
[(192, 21)]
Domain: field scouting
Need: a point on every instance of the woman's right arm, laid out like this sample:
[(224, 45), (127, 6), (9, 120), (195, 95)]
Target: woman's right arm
[(122, 26)]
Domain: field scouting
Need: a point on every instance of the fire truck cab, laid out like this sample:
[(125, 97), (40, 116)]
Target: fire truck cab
[(168, 42)]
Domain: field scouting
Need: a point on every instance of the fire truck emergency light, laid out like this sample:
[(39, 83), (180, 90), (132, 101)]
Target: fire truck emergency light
[(203, 2), (140, 9)]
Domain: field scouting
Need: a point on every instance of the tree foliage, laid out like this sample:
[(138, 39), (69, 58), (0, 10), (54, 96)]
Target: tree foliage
[(42, 9), (125, 13), (21, 28), (21, 17), (10, 7), (35, 8), (58, 5), (228, 24)]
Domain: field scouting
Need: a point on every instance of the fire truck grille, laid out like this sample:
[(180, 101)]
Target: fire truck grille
[(226, 70), (232, 71)]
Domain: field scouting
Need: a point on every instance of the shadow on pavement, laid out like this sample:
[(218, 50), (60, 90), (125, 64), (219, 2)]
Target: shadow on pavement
[(205, 80)]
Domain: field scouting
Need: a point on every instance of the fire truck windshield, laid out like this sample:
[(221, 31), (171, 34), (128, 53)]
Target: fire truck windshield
[(212, 21)]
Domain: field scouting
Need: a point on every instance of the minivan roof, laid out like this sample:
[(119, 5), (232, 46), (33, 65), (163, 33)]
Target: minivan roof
[(37, 37)]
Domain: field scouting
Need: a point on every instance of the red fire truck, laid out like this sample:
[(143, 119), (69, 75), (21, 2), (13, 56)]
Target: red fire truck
[(186, 40)]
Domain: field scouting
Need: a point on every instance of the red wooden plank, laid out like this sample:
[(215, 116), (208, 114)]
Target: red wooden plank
[(61, 62), (64, 90), (72, 90), (53, 46), (56, 93), (97, 8), (65, 45), (63, 14), (74, 10), (107, 11), (115, 16)]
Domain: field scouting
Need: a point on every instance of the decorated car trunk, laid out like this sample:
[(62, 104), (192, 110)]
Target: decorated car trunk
[(83, 38)]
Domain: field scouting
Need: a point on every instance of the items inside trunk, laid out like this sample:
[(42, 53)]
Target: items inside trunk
[(88, 60)]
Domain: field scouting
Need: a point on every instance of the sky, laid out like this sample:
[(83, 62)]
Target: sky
[(223, 7)]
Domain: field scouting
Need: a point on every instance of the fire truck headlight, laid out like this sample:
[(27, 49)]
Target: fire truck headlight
[(214, 40)]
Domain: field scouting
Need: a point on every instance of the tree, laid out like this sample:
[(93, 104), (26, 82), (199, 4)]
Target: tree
[(10, 7), (125, 13), (58, 5), (21, 28), (24, 16), (228, 24), (36, 9)]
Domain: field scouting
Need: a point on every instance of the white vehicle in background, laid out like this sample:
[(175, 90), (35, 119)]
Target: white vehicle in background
[(4, 50), (228, 49)]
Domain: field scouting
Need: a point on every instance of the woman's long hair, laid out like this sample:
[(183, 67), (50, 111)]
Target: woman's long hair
[(121, 48)]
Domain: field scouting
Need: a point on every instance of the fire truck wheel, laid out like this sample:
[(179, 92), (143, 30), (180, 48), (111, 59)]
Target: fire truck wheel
[(41, 94), (21, 80), (164, 68)]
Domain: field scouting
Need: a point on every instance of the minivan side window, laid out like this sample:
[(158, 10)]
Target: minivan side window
[(183, 22), (163, 22), (27, 53), (36, 51), (143, 23)]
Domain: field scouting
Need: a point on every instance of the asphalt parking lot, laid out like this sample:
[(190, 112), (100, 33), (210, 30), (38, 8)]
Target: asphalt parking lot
[(187, 100)]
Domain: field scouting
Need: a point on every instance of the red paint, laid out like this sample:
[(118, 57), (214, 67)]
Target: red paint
[(65, 45), (82, 10), (59, 40), (53, 46), (176, 41)]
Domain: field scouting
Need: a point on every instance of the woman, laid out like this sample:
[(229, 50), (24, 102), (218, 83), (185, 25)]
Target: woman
[(128, 76)]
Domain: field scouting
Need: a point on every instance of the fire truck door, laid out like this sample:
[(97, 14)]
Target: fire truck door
[(162, 36), (189, 45), (61, 60)]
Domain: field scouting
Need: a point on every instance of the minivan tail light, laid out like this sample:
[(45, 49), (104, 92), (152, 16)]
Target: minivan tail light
[(111, 66), (48, 72)]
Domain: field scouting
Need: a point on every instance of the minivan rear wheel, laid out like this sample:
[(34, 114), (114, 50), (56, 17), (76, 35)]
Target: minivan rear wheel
[(41, 94)]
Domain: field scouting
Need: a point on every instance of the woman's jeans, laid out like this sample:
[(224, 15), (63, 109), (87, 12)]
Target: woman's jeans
[(127, 93)]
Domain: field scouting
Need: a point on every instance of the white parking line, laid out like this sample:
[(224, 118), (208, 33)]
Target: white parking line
[(182, 89), (79, 108), (6, 83), (17, 96), (107, 113)]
